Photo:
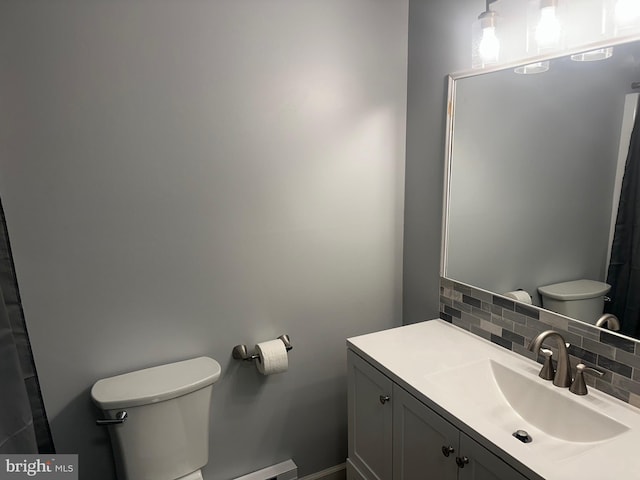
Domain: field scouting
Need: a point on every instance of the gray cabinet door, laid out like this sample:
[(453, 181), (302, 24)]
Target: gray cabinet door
[(370, 419), (484, 465), (424, 444)]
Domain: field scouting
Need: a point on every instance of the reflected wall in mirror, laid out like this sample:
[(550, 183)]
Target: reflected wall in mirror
[(534, 171)]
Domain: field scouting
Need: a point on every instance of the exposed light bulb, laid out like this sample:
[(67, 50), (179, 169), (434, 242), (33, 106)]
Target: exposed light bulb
[(485, 47), (627, 12), (548, 29), (489, 47)]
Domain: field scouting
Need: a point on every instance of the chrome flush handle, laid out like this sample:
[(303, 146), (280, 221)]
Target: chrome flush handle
[(121, 417)]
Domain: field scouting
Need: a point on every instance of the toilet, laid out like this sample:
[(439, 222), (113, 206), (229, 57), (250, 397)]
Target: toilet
[(579, 299), (165, 435)]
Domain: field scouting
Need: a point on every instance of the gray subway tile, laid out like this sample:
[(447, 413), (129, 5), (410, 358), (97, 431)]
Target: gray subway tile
[(553, 320), (491, 327), (617, 341), (515, 317), (477, 312), (528, 311), (504, 303), (474, 302), (498, 320), (446, 301), (614, 366), (461, 322), (501, 341), (626, 384), (513, 337), (612, 390), (471, 319), (597, 347), (627, 358), (481, 332), (459, 287), (464, 307)]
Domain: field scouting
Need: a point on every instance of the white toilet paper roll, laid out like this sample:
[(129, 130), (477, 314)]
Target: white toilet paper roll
[(520, 296), (273, 357)]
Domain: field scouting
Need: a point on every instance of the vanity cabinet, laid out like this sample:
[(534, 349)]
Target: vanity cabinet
[(394, 436)]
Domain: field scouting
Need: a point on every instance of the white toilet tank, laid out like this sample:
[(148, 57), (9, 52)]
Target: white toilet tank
[(166, 433), (579, 299)]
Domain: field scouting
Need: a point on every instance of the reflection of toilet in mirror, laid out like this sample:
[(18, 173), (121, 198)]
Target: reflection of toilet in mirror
[(579, 299)]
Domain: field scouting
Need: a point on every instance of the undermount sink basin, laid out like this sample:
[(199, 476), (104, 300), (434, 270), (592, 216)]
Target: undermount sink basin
[(521, 400)]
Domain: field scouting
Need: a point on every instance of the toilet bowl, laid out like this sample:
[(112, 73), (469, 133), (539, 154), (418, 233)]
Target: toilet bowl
[(579, 299), (158, 419)]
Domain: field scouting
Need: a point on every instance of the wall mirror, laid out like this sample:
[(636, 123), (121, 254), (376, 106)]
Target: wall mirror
[(533, 171)]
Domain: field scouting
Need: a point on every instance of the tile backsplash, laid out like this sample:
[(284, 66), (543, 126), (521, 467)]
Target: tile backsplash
[(512, 325)]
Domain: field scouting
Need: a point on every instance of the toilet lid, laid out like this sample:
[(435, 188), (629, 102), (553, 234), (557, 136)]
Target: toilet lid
[(575, 290), (155, 384)]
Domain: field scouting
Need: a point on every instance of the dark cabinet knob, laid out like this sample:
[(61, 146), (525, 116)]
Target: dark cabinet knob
[(447, 450), (462, 461)]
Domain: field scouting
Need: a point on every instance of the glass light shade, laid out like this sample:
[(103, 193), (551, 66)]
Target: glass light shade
[(512, 18), (545, 26), (486, 43), (593, 55), (588, 21), (548, 29), (532, 68)]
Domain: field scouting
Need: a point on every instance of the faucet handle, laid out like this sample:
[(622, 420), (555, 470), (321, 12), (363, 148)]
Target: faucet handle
[(547, 372), (579, 387)]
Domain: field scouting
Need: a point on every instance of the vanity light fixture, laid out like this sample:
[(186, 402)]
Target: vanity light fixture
[(533, 28), (486, 44)]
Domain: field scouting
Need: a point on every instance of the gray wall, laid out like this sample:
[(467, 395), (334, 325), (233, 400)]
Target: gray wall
[(183, 176), (439, 43)]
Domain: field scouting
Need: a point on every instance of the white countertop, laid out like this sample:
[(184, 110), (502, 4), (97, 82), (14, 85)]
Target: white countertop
[(415, 356)]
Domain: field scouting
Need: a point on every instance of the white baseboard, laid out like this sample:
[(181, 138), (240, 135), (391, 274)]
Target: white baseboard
[(287, 470), (337, 472)]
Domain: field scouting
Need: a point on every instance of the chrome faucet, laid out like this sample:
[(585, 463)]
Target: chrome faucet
[(562, 378), (611, 320)]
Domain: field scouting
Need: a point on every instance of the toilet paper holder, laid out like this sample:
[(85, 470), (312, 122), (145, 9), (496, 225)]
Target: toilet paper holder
[(240, 352)]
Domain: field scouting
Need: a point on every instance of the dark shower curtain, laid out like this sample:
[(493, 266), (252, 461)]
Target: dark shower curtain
[(24, 428), (624, 266)]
